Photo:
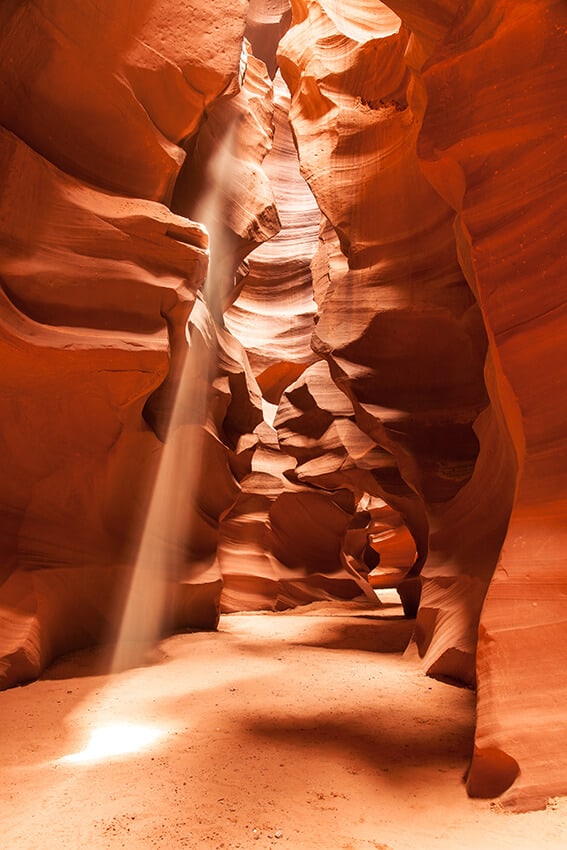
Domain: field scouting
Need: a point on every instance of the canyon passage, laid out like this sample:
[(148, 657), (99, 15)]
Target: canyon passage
[(282, 329)]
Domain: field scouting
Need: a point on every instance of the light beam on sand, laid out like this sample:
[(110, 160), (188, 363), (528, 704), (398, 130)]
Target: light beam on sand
[(117, 739), (163, 557)]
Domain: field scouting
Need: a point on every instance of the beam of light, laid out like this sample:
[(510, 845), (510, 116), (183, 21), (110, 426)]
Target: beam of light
[(214, 211), (162, 550), (117, 739), (162, 553)]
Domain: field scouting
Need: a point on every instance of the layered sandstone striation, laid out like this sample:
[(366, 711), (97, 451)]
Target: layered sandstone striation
[(78, 368), (376, 361), (107, 91), (98, 278), (101, 139), (273, 313), (500, 164), (397, 322), (415, 326), (298, 525), (224, 184), (282, 543)]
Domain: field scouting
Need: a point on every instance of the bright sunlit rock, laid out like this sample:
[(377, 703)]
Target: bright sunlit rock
[(116, 740)]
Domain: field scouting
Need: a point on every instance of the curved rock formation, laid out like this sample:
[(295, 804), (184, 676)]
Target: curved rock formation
[(223, 182), (96, 292), (85, 298), (112, 109), (268, 21), (500, 164), (284, 542), (397, 321), (383, 376), (473, 151), (273, 314), (264, 562)]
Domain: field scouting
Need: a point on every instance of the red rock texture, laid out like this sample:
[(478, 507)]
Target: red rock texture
[(96, 291), (223, 182), (273, 314), (78, 368), (500, 163), (107, 91), (268, 21), (288, 539), (397, 321), (97, 288), (384, 375), (494, 158)]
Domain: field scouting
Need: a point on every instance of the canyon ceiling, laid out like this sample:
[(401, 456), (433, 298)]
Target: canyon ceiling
[(351, 215)]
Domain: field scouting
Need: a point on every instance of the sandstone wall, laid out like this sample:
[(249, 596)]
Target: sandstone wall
[(500, 163), (440, 175), (98, 278), (101, 138), (398, 323), (389, 367)]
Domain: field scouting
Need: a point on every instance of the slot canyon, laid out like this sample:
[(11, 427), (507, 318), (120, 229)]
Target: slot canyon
[(283, 502)]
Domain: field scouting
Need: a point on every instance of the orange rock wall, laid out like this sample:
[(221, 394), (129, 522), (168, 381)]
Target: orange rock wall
[(405, 328), (398, 322), (265, 562), (100, 139), (470, 148), (98, 278), (500, 163)]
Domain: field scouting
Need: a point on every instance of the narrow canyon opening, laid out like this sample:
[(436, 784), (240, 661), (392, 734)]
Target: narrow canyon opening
[(282, 517)]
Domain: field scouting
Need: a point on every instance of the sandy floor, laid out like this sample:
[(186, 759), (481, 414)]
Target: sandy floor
[(303, 731)]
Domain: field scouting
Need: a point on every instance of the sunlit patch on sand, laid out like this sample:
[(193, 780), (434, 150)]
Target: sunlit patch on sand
[(115, 740)]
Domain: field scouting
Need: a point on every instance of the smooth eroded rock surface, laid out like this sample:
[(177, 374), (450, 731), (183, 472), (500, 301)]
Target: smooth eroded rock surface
[(282, 320)]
